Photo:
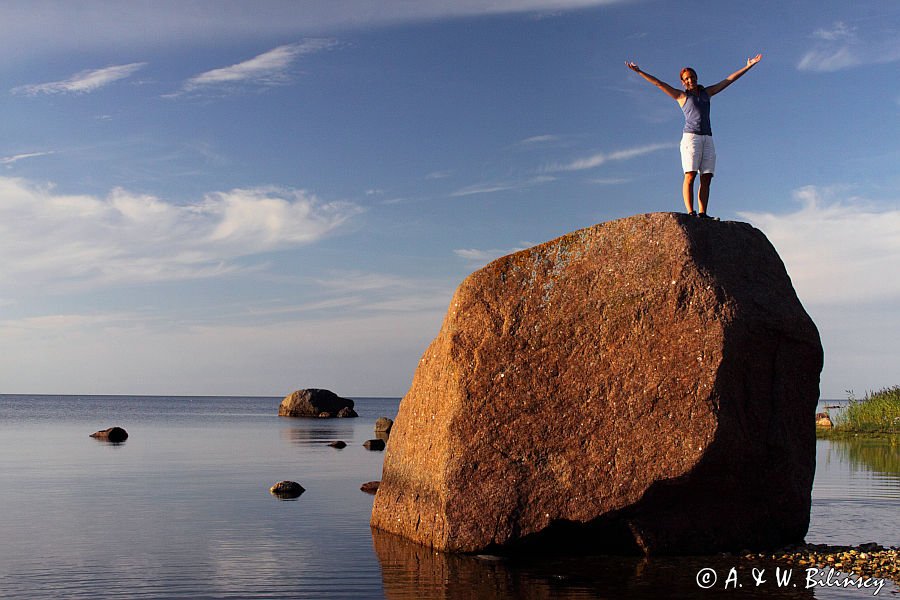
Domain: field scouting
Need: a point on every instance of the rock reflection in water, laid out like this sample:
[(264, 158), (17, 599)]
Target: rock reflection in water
[(316, 434), (412, 571)]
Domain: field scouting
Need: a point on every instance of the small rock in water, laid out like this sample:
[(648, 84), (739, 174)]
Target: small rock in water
[(374, 445), (383, 425), (824, 420), (346, 412), (116, 435), (286, 489), (370, 487), (338, 444)]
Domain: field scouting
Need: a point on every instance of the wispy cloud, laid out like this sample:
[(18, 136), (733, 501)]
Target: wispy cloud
[(838, 31), (128, 237), (543, 142), (841, 47), (837, 251), (267, 69), (501, 186), (476, 255), (346, 293), (360, 355), (83, 82), (92, 24), (595, 160), (384, 292), (8, 160), (540, 139), (608, 180)]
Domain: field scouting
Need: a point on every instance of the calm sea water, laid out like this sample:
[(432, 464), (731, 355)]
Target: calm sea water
[(182, 509)]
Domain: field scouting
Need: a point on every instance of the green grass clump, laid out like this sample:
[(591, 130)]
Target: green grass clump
[(878, 412)]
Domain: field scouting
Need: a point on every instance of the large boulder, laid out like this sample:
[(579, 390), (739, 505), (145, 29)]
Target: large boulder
[(315, 403), (647, 384)]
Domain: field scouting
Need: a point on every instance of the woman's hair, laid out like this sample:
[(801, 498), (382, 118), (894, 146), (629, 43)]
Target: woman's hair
[(687, 70)]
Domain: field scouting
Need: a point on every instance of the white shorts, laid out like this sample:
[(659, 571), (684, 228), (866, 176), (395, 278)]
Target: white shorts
[(698, 153)]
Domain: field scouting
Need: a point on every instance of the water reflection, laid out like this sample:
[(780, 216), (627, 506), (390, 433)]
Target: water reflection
[(876, 454), (413, 571), (316, 434)]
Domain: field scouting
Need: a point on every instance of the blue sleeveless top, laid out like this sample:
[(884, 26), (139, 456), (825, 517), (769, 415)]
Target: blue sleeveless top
[(696, 113)]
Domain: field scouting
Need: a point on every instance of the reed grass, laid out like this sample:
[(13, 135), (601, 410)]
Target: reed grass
[(877, 412)]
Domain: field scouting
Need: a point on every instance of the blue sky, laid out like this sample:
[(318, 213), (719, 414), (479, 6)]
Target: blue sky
[(249, 198)]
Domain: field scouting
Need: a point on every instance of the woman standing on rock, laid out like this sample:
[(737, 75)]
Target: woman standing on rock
[(698, 154)]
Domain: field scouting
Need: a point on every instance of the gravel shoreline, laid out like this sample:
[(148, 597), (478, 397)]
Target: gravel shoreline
[(866, 560)]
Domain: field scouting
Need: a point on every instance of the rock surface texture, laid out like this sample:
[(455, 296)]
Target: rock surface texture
[(315, 403), (643, 385)]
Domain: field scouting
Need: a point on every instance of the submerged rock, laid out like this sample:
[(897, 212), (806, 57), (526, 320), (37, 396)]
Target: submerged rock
[(314, 403), (287, 489), (116, 435), (340, 444), (647, 384)]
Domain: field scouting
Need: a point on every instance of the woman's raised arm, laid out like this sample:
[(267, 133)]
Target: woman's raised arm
[(667, 89), (715, 89)]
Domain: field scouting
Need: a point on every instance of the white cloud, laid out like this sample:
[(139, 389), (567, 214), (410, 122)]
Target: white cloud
[(501, 186), (52, 238), (840, 47), (842, 256), (600, 158), (827, 58), (837, 252), (268, 68), (82, 82)]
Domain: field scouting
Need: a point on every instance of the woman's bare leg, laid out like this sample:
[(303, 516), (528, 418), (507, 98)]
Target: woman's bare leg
[(687, 191), (703, 192)]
